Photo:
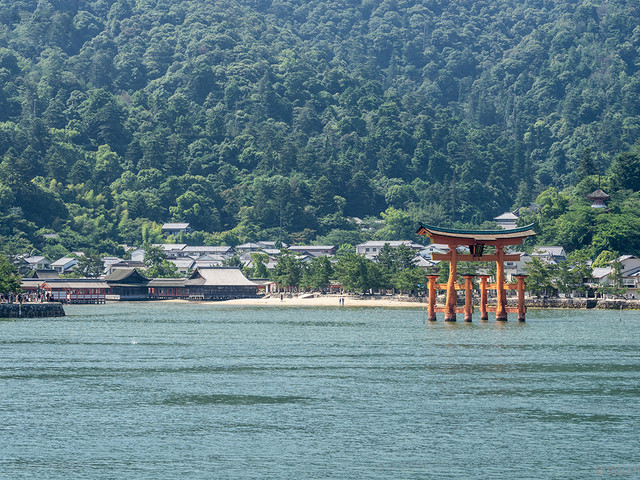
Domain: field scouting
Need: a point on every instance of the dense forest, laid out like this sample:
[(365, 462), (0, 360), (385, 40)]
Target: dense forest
[(285, 119)]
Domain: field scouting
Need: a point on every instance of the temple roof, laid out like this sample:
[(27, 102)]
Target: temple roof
[(218, 276), (598, 195), (506, 216), (48, 274), (451, 236), (126, 277)]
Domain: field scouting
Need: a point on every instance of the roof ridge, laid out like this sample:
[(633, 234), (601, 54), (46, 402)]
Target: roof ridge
[(477, 232)]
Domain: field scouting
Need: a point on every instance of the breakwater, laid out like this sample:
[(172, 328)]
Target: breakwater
[(31, 310)]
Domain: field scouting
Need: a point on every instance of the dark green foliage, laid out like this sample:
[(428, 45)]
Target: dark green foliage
[(9, 278), (317, 273), (90, 264), (288, 271), (157, 264), (392, 269), (281, 119), (625, 171)]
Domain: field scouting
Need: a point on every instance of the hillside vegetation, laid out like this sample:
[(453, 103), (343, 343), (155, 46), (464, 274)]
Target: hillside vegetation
[(283, 119)]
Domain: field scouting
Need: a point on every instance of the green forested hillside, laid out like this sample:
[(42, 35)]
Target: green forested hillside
[(244, 116)]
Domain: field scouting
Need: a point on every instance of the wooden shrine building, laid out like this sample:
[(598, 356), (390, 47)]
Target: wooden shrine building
[(476, 241)]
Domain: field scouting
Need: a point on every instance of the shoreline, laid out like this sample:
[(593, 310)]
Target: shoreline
[(301, 301), (401, 301)]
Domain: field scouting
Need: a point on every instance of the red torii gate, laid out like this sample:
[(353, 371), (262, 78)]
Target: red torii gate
[(476, 241)]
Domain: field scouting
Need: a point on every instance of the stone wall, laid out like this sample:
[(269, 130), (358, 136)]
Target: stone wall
[(618, 304), (530, 302), (560, 302), (31, 310)]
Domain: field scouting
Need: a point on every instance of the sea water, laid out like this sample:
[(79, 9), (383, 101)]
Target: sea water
[(168, 391)]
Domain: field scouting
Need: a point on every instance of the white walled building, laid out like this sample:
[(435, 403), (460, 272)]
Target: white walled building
[(371, 248)]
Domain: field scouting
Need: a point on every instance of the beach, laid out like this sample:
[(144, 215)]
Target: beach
[(403, 301), (311, 300)]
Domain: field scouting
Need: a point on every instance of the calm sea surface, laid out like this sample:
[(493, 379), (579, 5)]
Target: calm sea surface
[(168, 391)]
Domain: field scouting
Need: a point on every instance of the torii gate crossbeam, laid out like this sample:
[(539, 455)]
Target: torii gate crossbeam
[(476, 241)]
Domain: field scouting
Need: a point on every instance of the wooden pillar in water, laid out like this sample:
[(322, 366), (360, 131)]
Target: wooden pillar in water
[(501, 308), (452, 297), (431, 309), (484, 314), (521, 307), (468, 299)]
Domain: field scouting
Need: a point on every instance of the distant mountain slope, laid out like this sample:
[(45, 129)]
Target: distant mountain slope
[(249, 115)]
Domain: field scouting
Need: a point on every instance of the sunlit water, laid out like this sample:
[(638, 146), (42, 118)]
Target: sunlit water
[(169, 391)]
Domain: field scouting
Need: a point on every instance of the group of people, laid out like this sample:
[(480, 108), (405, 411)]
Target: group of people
[(34, 297)]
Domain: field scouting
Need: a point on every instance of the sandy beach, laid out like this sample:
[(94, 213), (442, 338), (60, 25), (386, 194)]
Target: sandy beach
[(311, 300), (388, 301)]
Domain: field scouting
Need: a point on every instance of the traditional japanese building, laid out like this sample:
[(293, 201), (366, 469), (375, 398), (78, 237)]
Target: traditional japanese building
[(598, 199), (372, 248), (167, 288), (127, 284), (38, 262), (69, 290), (220, 284), (173, 228), (44, 274), (476, 241)]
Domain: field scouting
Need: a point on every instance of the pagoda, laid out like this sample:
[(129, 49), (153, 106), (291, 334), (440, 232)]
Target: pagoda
[(598, 198), (476, 242)]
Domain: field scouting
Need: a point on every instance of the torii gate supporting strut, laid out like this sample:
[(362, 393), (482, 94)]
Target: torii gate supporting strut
[(476, 241)]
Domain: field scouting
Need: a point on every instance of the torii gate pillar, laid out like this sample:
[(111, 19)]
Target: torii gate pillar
[(501, 308), (484, 313), (431, 309), (476, 241), (452, 296), (520, 286), (468, 297)]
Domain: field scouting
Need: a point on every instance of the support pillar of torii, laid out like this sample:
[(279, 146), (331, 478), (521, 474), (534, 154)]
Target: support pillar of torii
[(476, 241)]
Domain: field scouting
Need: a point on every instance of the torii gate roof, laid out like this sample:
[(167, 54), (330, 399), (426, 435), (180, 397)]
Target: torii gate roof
[(451, 236)]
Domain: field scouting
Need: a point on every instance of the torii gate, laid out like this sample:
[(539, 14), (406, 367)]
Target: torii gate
[(476, 241)]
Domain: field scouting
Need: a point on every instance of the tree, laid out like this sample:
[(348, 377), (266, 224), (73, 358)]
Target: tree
[(357, 273), (318, 273), (151, 233), (541, 276), (233, 261), (198, 210), (613, 284), (396, 268), (157, 264), (443, 272), (573, 272), (616, 277), (259, 261), (90, 264), (9, 278), (605, 258), (351, 271), (107, 165), (410, 279), (625, 170), (398, 225), (165, 269), (586, 165), (291, 138), (288, 270)]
